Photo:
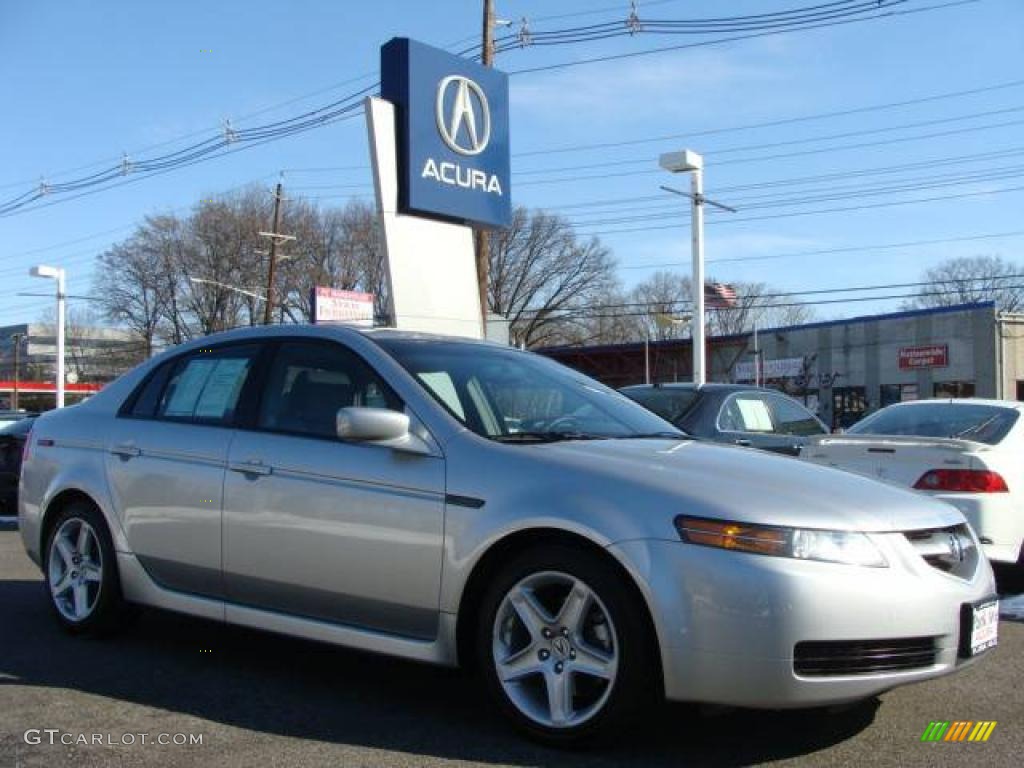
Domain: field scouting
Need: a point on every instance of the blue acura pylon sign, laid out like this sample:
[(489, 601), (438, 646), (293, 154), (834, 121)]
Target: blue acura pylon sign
[(453, 138)]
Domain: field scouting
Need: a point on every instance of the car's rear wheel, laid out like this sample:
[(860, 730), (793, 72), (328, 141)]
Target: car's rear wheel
[(563, 645), (81, 571)]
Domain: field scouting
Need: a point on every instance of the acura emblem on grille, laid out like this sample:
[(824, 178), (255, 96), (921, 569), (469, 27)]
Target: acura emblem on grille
[(955, 547)]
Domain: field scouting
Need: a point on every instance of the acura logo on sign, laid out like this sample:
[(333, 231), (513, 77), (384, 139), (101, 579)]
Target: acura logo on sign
[(458, 123)]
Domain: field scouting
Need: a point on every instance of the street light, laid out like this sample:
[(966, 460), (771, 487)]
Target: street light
[(688, 161), (56, 273)]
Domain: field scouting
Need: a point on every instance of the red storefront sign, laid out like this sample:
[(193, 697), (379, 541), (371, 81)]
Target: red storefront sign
[(932, 356)]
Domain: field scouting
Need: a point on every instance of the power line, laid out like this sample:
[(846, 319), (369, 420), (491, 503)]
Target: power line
[(250, 137), (735, 38), (713, 152), (849, 249), (671, 306), (732, 220), (781, 156)]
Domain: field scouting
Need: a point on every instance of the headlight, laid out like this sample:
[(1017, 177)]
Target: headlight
[(847, 547)]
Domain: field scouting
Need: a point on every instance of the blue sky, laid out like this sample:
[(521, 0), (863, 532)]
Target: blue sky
[(86, 81)]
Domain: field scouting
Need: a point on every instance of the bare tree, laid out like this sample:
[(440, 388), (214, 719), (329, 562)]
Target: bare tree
[(129, 283), (340, 248), (541, 276), (669, 294), (760, 304), (966, 280)]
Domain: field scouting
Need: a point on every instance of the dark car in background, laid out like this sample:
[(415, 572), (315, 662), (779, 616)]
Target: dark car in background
[(12, 442), (732, 413)]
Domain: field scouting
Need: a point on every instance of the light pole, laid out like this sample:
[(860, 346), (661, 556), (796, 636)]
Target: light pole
[(16, 338), (56, 273), (688, 161)]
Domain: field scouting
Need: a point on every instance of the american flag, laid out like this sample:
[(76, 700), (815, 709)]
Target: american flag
[(719, 296)]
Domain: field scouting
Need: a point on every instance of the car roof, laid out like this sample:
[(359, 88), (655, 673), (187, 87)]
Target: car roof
[(326, 330), (958, 401), (708, 387)]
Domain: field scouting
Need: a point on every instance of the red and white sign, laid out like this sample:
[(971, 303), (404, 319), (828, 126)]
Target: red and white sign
[(933, 356), (331, 305)]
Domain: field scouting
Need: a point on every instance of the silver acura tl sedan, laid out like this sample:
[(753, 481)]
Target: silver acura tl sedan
[(458, 502)]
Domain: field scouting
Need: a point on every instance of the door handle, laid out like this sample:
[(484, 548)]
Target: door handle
[(745, 443), (125, 450), (250, 467)]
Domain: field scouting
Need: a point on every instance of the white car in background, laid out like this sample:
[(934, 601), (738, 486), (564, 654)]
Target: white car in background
[(967, 452)]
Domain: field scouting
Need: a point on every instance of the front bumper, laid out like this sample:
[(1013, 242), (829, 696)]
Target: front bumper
[(728, 622)]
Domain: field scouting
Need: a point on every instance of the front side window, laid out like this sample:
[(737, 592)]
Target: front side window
[(507, 395), (205, 386), (309, 382), (793, 419)]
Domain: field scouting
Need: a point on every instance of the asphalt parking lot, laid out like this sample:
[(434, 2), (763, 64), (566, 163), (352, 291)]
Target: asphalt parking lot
[(259, 699)]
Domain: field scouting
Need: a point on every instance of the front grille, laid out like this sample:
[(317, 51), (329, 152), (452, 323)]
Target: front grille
[(824, 658), (950, 550)]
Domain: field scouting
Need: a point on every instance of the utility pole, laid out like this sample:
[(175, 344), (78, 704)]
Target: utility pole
[(16, 338), (483, 250), (275, 238)]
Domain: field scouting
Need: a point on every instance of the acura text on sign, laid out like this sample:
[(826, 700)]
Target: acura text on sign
[(932, 356)]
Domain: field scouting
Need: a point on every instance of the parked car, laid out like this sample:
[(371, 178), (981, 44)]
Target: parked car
[(967, 452), (732, 413), (9, 417), (460, 502), (12, 442)]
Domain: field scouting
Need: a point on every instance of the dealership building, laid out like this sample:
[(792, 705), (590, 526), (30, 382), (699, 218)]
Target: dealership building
[(842, 369)]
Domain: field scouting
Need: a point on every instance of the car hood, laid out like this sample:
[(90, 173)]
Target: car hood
[(746, 485)]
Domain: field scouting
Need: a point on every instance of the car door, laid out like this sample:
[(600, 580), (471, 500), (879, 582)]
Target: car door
[(167, 453), (344, 532), (745, 418)]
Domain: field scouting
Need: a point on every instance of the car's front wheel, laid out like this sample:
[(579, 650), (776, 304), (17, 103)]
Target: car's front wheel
[(81, 572), (564, 646)]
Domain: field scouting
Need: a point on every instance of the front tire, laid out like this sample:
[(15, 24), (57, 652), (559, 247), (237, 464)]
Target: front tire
[(81, 571), (564, 647)]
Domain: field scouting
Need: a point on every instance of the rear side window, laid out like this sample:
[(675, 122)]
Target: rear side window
[(980, 423), (745, 413), (148, 399), (205, 387)]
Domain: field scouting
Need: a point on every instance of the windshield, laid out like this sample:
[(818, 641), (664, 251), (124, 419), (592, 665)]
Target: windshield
[(980, 423), (671, 404), (514, 396)]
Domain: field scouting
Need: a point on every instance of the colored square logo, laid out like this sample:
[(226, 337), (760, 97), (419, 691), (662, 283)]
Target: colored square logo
[(453, 134)]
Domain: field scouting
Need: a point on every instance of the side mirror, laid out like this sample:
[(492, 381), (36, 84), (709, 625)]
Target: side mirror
[(371, 424)]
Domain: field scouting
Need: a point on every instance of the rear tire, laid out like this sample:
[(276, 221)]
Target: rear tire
[(80, 569), (564, 646)]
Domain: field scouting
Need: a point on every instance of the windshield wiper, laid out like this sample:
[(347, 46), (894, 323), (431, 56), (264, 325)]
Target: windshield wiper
[(545, 437), (975, 427), (657, 436)]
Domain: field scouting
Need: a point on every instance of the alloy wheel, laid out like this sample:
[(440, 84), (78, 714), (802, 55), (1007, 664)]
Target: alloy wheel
[(555, 649), (75, 569)]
